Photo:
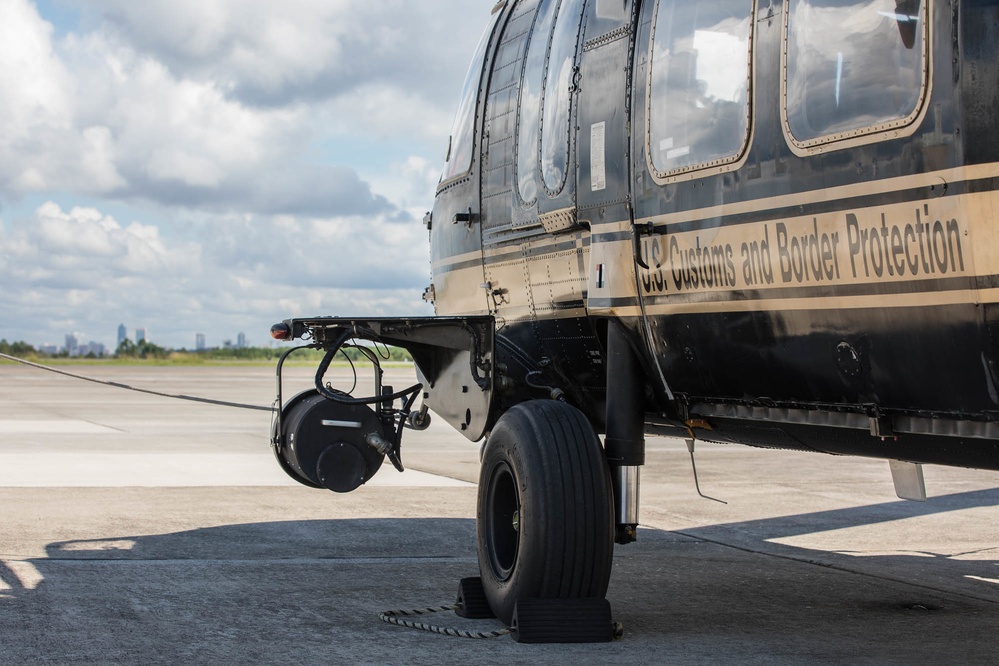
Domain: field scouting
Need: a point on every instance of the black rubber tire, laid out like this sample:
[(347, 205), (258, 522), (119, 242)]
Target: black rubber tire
[(544, 460)]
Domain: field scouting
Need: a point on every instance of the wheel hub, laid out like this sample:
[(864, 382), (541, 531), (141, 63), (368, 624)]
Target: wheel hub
[(504, 521)]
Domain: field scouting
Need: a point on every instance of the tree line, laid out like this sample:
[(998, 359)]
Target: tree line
[(18, 349), (148, 350)]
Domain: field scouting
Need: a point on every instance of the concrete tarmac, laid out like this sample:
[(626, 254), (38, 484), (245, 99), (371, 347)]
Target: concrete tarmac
[(137, 529)]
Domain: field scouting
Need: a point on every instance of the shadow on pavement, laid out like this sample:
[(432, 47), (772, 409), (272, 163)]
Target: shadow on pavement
[(303, 591)]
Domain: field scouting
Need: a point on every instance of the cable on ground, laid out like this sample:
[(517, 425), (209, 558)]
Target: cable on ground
[(396, 617), (191, 398)]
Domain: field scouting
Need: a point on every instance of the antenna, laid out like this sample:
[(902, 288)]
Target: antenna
[(693, 465)]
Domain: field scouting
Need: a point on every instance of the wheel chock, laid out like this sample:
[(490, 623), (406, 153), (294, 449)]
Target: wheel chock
[(472, 602), (562, 621)]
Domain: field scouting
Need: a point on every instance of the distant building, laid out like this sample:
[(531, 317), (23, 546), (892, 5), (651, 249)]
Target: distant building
[(51, 350), (241, 341), (199, 342), (72, 344), (140, 335), (95, 348), (122, 333)]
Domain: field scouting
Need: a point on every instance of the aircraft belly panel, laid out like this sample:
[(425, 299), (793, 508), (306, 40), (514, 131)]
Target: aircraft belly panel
[(892, 358)]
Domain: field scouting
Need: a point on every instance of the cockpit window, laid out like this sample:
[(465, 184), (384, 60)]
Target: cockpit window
[(699, 84), (852, 68), (459, 151)]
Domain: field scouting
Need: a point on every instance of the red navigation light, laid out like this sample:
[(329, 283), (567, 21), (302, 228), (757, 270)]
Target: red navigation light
[(281, 331)]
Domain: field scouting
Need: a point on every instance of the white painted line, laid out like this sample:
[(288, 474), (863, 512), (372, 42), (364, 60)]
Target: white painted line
[(984, 580), (389, 477), (152, 470), (99, 544)]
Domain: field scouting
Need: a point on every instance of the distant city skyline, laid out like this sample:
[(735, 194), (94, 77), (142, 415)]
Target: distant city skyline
[(201, 341), (73, 347)]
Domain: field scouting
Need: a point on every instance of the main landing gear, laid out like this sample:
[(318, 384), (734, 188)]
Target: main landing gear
[(545, 521), (551, 500)]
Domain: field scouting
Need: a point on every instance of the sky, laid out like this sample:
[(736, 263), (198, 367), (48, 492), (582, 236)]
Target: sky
[(193, 166)]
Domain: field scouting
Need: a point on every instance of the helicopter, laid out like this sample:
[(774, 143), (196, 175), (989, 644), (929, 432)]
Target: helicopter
[(758, 222)]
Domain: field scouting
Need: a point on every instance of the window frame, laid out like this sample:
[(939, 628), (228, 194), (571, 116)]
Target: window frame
[(885, 131), (565, 122), (710, 167), (534, 165), (474, 120)]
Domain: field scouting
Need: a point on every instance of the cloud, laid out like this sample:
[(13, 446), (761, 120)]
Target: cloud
[(32, 77), (219, 105), (83, 248), (41, 145), (263, 160), (82, 270), (345, 253), (411, 182), (306, 50)]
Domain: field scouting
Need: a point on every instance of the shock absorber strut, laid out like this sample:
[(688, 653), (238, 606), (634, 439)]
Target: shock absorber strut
[(625, 441)]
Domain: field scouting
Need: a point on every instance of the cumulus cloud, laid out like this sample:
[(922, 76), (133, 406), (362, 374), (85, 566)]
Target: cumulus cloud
[(219, 104), (308, 49), (263, 160), (84, 248), (41, 144), (411, 183), (82, 270), (329, 253)]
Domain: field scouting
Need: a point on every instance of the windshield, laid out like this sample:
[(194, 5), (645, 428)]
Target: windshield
[(459, 154)]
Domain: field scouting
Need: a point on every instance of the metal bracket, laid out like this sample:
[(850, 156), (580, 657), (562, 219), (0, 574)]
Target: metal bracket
[(908, 480), (638, 230), (464, 217)]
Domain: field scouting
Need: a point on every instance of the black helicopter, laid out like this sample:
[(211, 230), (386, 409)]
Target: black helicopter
[(765, 222)]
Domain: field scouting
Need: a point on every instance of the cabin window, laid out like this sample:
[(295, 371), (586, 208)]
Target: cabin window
[(699, 84), (852, 68), (529, 121), (460, 146), (559, 85)]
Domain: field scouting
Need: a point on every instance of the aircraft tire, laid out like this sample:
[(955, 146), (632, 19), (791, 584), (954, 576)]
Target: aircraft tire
[(545, 520)]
